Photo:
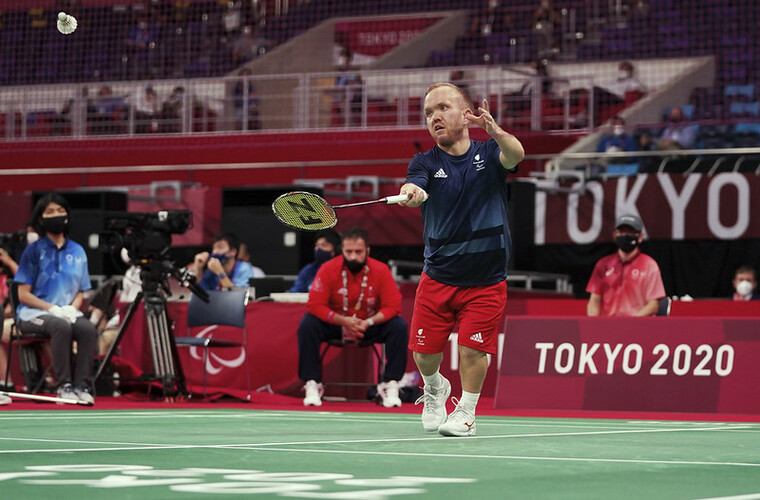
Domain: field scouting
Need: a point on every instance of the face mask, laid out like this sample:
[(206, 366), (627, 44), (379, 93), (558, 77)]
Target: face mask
[(321, 256), (623, 75), (744, 287), (31, 238), (55, 225), (354, 266), (222, 258), (618, 130), (627, 243)]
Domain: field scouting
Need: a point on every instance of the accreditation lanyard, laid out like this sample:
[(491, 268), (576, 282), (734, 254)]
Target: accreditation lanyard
[(362, 289)]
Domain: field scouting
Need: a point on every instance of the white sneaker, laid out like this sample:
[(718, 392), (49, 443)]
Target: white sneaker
[(84, 394), (434, 411), (389, 393), (67, 391), (5, 400), (460, 423), (314, 391)]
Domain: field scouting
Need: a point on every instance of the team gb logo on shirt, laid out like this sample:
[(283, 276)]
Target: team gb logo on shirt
[(479, 163)]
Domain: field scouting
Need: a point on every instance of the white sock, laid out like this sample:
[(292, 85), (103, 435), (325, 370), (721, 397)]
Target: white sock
[(469, 400), (435, 380)]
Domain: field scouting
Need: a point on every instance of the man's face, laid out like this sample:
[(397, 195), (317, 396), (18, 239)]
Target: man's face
[(628, 231), (745, 276), (323, 244), (444, 113), (355, 249), (222, 247)]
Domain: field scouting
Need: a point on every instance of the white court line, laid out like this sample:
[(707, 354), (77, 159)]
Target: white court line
[(519, 457), (347, 417), (502, 436), (248, 446), (42, 440), (748, 496)]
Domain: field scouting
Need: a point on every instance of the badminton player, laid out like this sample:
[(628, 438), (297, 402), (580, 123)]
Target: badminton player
[(467, 248)]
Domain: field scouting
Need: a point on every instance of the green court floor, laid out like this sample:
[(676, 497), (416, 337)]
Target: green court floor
[(159, 454)]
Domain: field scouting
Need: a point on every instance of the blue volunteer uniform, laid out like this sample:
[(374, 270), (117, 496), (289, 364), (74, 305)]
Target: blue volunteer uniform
[(467, 239), (241, 273), (56, 274)]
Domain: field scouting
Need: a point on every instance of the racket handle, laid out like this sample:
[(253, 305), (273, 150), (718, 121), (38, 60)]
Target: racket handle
[(396, 198), (399, 198)]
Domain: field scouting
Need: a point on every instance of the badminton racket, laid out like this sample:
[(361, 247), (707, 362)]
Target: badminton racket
[(310, 212), (50, 399)]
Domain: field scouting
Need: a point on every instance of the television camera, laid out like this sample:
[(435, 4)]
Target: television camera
[(147, 238)]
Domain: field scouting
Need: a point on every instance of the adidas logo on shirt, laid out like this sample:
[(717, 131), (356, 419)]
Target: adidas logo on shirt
[(477, 338), (440, 174)]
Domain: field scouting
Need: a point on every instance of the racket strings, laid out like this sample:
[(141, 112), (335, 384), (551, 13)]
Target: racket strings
[(303, 210)]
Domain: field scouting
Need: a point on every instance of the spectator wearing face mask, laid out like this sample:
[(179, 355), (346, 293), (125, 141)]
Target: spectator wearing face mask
[(221, 268), (745, 284), (678, 134), (326, 246), (617, 140), (628, 282), (52, 277)]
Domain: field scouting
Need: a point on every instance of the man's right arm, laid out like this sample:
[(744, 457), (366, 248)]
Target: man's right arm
[(594, 306)]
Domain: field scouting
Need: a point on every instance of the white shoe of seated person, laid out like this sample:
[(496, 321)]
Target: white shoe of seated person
[(5, 400), (314, 392), (389, 393)]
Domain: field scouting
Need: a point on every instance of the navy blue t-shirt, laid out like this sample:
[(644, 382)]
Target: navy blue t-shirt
[(467, 240)]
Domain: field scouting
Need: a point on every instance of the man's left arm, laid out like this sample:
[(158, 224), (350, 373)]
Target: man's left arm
[(512, 151), (655, 290)]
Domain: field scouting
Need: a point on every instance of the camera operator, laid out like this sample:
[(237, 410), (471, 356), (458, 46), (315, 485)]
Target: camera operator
[(221, 269), (52, 277)]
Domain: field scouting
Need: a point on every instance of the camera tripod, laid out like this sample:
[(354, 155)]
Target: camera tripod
[(166, 363)]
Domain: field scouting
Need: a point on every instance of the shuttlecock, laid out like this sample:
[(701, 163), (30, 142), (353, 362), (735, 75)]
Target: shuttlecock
[(66, 23)]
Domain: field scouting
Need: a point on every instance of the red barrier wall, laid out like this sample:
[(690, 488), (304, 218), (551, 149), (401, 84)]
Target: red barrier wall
[(251, 151), (647, 364)]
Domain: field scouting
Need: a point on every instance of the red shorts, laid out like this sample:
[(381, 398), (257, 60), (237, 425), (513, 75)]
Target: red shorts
[(477, 310)]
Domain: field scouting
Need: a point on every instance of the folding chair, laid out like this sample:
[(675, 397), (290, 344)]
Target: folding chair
[(378, 349), (27, 345), (224, 308)]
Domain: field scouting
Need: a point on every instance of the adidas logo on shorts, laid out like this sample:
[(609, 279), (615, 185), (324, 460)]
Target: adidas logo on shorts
[(477, 337), (440, 174)]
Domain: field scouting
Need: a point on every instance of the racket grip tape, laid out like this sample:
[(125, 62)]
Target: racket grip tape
[(399, 198)]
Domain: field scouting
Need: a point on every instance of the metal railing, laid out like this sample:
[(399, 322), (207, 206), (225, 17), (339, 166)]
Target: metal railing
[(528, 280)]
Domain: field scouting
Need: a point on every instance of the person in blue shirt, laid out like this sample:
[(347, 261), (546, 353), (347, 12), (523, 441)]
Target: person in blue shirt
[(467, 249), (617, 141), (53, 277), (221, 268), (326, 246)]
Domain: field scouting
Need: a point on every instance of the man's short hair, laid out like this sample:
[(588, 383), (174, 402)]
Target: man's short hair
[(354, 233), (746, 269), (462, 92), (231, 240), (331, 236)]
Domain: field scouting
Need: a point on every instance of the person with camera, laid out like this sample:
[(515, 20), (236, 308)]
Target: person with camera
[(53, 277), (221, 268)]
